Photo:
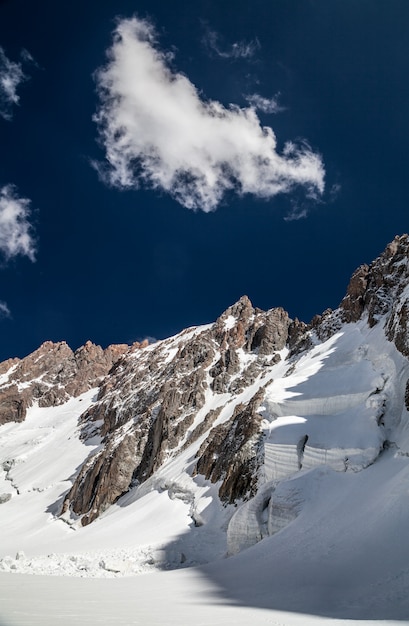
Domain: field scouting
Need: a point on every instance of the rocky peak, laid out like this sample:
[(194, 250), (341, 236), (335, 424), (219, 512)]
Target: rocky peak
[(376, 287), (200, 390), (51, 374), (241, 310), (380, 290), (5, 366), (230, 328), (147, 407), (242, 326), (377, 291), (354, 301)]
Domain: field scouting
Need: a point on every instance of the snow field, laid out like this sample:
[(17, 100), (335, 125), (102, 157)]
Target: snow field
[(332, 511)]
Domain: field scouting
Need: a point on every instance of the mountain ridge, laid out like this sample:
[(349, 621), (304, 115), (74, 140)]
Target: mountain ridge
[(238, 409)]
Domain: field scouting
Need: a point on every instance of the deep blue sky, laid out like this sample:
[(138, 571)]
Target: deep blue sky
[(116, 266)]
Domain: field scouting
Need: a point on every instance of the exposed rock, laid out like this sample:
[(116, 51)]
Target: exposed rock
[(152, 405), (52, 374), (299, 337), (222, 371), (13, 404), (154, 399), (242, 326), (407, 395), (272, 334), (397, 327), (203, 427), (230, 328), (230, 452), (6, 365), (354, 300), (252, 330), (375, 289), (142, 406), (103, 479), (92, 364), (387, 280)]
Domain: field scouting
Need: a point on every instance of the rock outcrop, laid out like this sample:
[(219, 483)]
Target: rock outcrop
[(51, 375), (353, 303), (380, 291), (202, 392), (148, 408), (230, 452)]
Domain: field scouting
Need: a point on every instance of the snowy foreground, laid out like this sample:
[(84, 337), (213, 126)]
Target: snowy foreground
[(335, 543), (178, 598)]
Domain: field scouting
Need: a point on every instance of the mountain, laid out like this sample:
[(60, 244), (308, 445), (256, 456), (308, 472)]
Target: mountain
[(256, 429)]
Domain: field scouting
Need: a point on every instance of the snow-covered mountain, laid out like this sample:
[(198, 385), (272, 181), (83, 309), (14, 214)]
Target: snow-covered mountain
[(256, 432)]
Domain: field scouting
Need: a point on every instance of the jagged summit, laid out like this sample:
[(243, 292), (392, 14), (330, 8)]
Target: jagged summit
[(51, 375), (376, 289), (376, 292)]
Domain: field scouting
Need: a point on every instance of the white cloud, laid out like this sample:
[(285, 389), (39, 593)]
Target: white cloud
[(4, 310), (266, 105), (334, 192), (296, 213), (15, 229), (238, 50), (158, 131), (11, 76)]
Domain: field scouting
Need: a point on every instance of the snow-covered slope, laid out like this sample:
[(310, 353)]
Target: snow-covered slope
[(282, 446)]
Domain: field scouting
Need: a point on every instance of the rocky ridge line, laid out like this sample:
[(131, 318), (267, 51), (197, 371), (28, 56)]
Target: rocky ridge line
[(147, 408), (152, 405), (51, 375)]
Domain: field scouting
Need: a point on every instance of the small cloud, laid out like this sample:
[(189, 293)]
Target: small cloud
[(159, 132), (4, 310), (142, 341), (15, 230), (334, 192), (149, 339), (265, 105), (11, 76), (296, 213), (237, 50)]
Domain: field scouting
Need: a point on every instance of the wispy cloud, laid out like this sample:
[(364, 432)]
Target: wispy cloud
[(297, 213), (266, 105), (4, 310), (334, 192), (15, 229), (11, 76), (159, 132), (237, 50)]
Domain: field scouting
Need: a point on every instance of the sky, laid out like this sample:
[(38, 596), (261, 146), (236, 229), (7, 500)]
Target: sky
[(159, 160)]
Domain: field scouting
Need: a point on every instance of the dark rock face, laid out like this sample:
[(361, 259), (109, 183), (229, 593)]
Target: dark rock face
[(298, 336), (13, 404), (230, 452), (354, 302), (254, 329), (51, 375), (103, 479), (407, 395), (375, 291), (378, 290), (388, 277), (150, 402)]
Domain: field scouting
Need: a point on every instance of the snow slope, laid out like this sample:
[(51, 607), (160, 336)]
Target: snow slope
[(323, 539)]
